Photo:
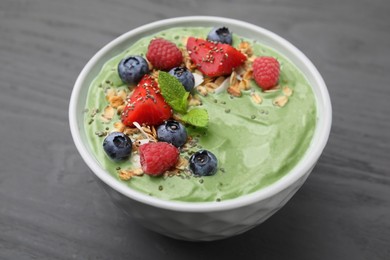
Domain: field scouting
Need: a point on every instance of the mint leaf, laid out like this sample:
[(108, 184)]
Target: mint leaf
[(196, 117), (173, 92), (176, 96)]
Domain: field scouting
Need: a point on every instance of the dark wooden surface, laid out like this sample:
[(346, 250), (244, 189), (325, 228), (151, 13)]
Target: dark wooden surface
[(50, 205)]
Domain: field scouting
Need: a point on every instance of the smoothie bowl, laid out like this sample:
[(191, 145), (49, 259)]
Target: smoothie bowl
[(200, 128)]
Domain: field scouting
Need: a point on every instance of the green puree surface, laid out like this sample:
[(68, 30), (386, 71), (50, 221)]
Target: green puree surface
[(256, 144)]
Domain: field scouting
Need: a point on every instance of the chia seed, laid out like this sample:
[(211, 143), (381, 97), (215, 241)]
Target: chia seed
[(100, 133), (94, 112), (160, 187), (227, 110)]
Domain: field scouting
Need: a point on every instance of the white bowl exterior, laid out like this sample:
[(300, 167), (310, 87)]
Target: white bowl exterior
[(204, 226), (204, 220)]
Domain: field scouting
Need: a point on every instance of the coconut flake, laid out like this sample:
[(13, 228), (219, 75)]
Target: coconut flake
[(240, 70), (198, 79), (142, 141), (224, 86), (141, 130)]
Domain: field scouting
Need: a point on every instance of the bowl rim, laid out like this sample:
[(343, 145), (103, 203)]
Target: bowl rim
[(294, 175)]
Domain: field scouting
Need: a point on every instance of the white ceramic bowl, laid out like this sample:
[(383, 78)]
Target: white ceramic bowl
[(203, 221)]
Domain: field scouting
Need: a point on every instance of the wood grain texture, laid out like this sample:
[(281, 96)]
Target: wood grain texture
[(50, 205)]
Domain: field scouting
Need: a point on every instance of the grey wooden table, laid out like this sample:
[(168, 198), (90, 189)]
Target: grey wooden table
[(50, 205)]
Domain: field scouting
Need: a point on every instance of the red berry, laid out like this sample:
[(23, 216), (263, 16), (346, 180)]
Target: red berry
[(163, 54), (266, 72), (157, 158), (214, 58), (146, 105)]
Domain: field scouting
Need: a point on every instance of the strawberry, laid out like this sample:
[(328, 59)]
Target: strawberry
[(213, 58), (163, 54), (157, 158), (146, 105), (266, 72)]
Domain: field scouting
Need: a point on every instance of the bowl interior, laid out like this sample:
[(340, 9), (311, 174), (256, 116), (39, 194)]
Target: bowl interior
[(324, 113)]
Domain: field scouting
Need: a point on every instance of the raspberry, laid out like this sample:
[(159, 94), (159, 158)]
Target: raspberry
[(266, 72), (163, 54), (157, 158)]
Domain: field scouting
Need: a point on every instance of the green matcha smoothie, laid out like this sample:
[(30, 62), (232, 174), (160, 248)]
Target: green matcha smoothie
[(255, 143)]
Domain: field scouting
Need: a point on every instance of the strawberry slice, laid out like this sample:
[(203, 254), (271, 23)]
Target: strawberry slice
[(146, 105), (213, 58)]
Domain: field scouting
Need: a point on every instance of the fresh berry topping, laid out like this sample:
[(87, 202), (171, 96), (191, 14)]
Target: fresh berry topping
[(203, 163), (117, 146), (172, 132), (132, 69), (157, 158), (163, 54), (185, 77), (146, 105), (220, 34), (266, 72), (213, 58)]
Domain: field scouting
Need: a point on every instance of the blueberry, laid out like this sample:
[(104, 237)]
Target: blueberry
[(203, 163), (184, 76), (172, 132), (132, 69), (117, 146), (220, 34)]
